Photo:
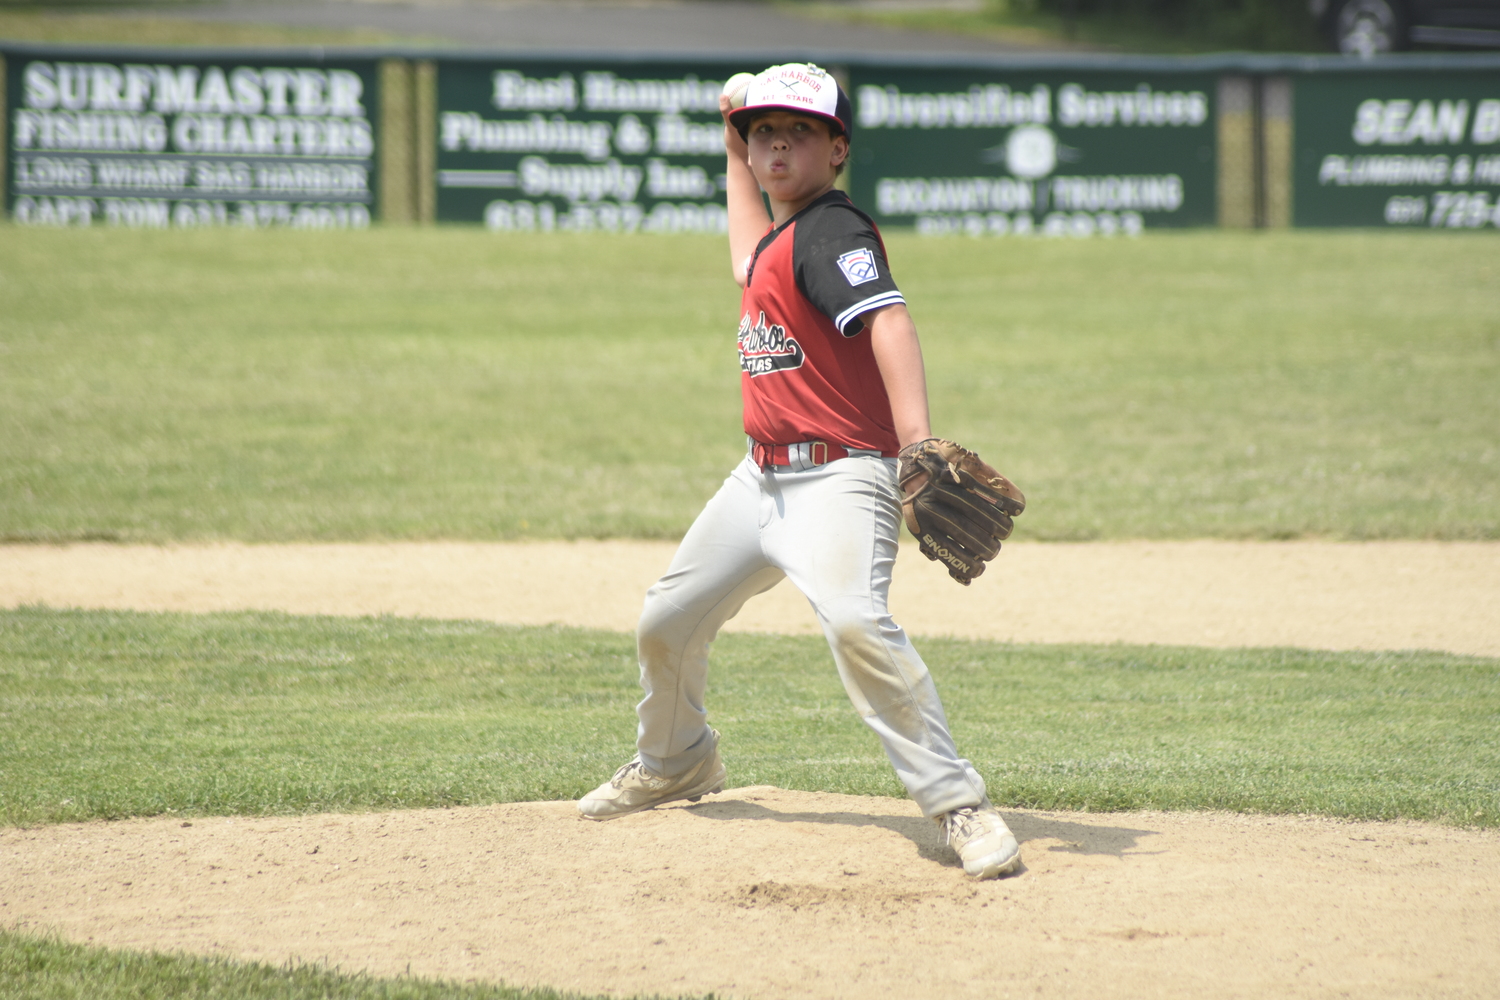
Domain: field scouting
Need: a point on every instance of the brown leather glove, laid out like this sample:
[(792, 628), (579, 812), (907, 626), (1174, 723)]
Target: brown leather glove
[(963, 511)]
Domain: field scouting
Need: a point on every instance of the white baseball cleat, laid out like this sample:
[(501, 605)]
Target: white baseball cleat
[(633, 788), (982, 840)]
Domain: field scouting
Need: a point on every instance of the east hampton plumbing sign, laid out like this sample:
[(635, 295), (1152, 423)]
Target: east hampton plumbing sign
[(577, 146), (190, 143), (1018, 153), (1398, 149)]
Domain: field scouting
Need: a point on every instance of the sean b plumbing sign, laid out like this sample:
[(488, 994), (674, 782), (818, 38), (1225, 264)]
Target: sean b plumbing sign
[(183, 143), (619, 146), (1075, 153), (1416, 149)]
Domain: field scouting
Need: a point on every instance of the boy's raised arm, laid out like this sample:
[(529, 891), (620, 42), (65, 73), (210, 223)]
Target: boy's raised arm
[(747, 213)]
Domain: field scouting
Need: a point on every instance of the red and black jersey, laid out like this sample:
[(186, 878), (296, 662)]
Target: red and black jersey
[(809, 372)]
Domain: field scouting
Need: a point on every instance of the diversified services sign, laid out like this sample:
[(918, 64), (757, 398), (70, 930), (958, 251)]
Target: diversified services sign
[(190, 143), (1047, 152)]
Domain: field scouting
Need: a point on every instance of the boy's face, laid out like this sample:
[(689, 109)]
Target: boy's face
[(794, 156)]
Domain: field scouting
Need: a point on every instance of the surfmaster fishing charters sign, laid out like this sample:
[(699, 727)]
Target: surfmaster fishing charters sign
[(191, 142)]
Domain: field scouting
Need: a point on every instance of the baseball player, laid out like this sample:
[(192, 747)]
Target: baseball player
[(833, 388)]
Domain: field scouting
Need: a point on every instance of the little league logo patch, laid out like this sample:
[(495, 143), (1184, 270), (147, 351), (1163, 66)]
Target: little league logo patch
[(859, 266), (766, 348)]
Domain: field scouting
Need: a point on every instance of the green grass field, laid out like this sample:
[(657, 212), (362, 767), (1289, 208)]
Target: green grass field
[(39, 967), (454, 383), (110, 714)]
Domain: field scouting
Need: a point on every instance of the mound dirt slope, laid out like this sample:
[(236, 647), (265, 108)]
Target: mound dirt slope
[(1321, 595), (761, 892)]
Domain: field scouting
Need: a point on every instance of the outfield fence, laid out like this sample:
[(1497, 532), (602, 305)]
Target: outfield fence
[(1002, 146)]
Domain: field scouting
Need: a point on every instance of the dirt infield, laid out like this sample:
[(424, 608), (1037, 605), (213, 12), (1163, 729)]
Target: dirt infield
[(767, 893), (1323, 595)]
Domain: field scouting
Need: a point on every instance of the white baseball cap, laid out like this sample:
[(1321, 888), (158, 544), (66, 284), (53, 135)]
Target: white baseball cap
[(795, 87)]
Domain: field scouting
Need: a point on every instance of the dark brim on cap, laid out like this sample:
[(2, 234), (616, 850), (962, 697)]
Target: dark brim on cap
[(740, 118)]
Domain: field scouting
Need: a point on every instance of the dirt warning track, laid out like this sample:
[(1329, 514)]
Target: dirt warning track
[(1323, 595)]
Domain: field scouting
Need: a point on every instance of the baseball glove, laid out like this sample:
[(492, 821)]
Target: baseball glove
[(963, 511)]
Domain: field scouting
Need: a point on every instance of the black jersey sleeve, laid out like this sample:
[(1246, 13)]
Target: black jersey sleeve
[(839, 263)]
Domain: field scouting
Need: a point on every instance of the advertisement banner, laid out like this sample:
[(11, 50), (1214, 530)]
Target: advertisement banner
[(1397, 149), (191, 142), (624, 147), (1022, 152)]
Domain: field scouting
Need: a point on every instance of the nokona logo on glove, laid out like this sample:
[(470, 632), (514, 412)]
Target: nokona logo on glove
[(947, 555)]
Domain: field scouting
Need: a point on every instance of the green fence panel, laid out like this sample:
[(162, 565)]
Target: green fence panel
[(1046, 151), (537, 141), (581, 144), (180, 139), (1405, 149)]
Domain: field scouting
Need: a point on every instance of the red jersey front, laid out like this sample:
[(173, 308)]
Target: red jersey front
[(808, 370)]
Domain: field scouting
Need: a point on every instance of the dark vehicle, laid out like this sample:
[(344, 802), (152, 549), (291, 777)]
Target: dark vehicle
[(1369, 27)]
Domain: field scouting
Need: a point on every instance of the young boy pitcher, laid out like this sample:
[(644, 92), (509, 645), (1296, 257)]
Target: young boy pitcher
[(835, 410)]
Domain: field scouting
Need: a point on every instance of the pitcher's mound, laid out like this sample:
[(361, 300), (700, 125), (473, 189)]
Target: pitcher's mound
[(761, 892)]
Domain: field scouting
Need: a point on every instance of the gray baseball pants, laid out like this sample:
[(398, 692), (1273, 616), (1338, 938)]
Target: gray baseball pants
[(832, 530)]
